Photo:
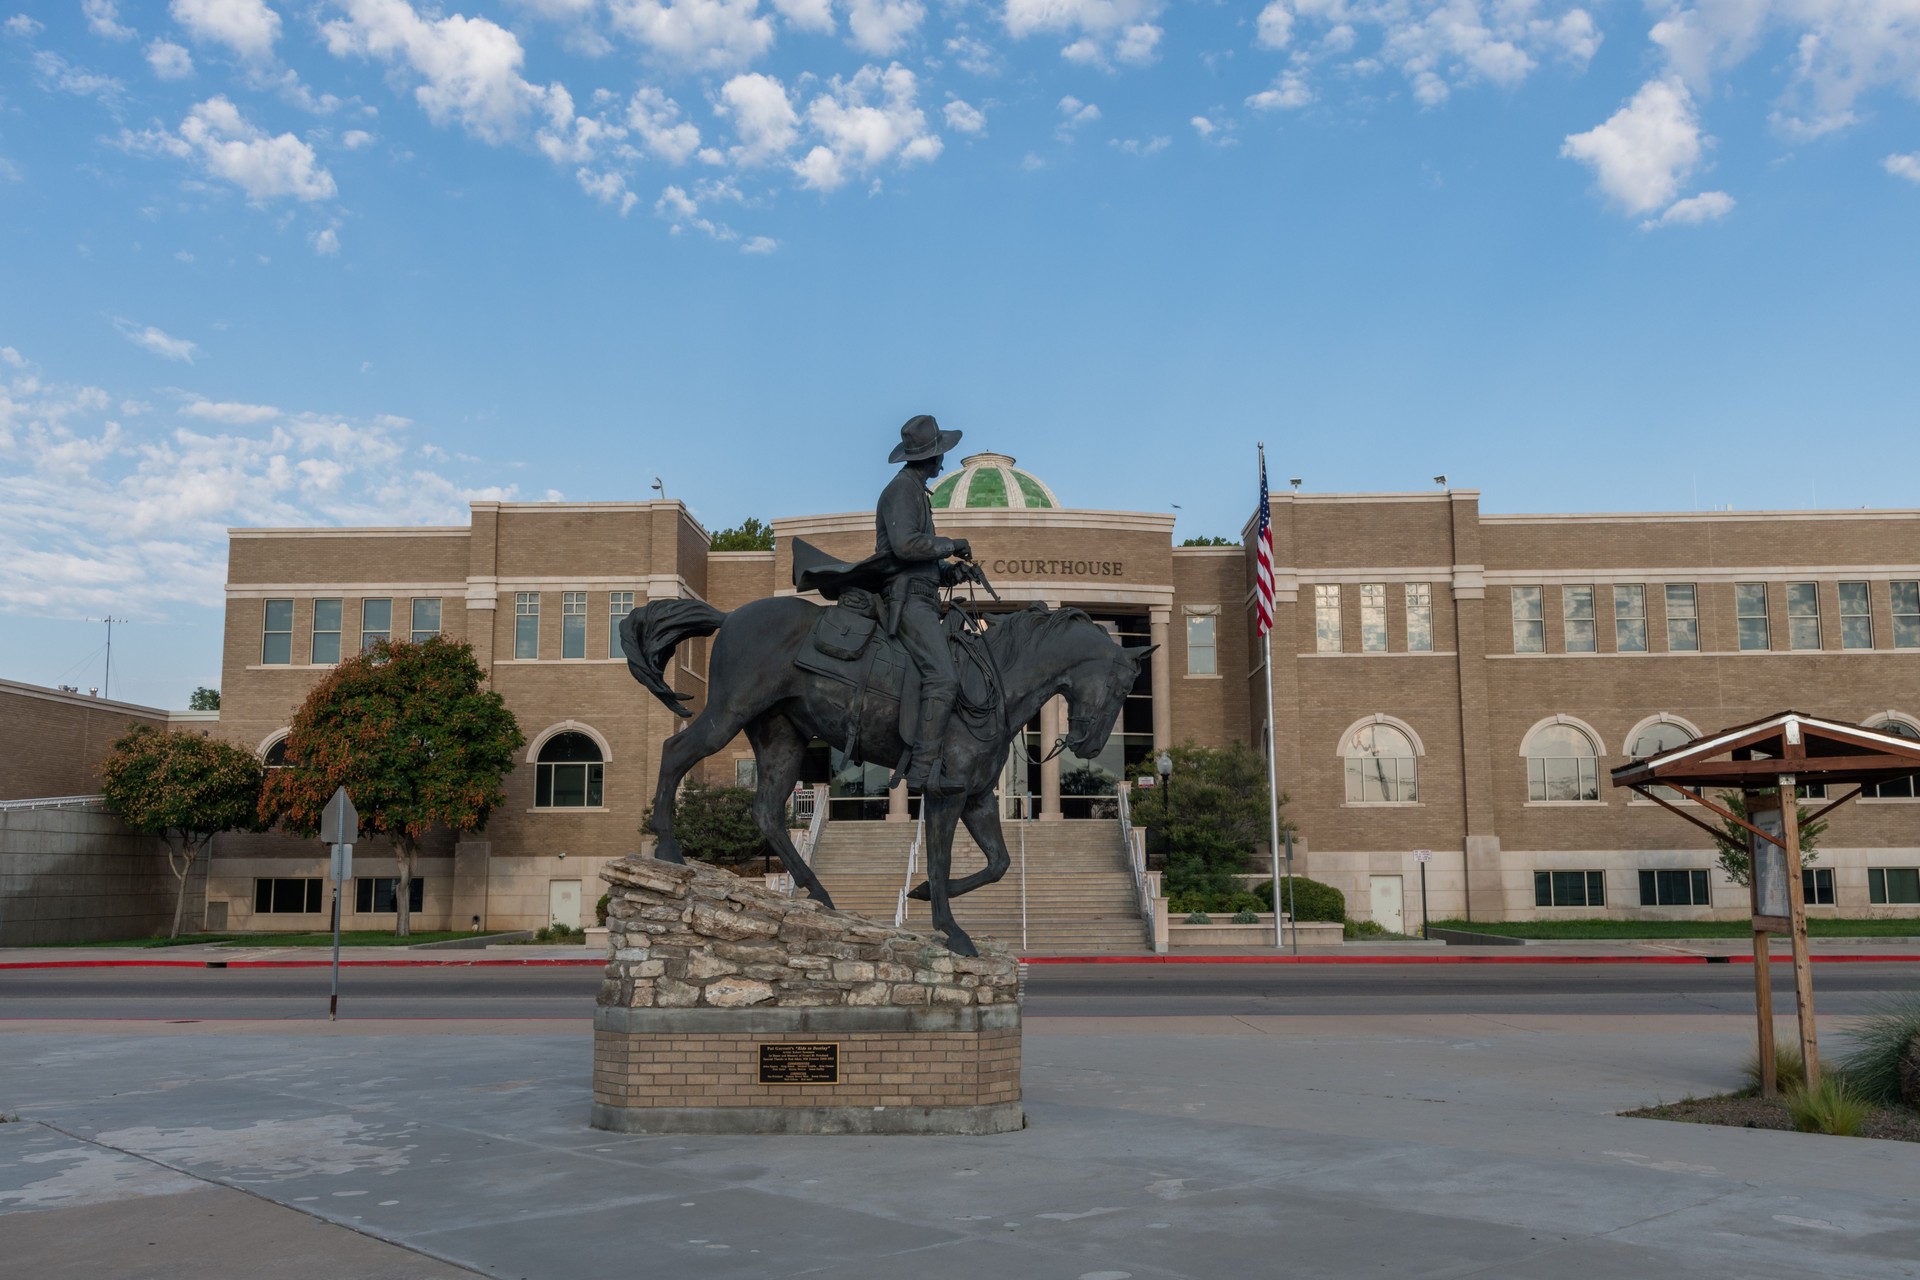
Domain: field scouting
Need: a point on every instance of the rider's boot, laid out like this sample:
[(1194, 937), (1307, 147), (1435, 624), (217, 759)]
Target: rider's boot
[(925, 751)]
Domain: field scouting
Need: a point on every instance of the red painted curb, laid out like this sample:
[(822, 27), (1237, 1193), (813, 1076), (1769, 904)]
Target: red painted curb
[(1695, 959), (531, 962)]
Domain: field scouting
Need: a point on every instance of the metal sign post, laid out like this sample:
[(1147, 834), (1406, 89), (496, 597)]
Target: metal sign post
[(1423, 857), (339, 823)]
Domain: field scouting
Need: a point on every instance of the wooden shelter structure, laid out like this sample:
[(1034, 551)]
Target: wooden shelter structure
[(1770, 762)]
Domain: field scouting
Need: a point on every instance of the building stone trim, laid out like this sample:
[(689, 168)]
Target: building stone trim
[(569, 726), (824, 1019), (1879, 718), (380, 531), (1381, 717), (1419, 495), (1659, 717), (1714, 575), (266, 743), (1691, 517), (322, 591), (1353, 577), (1598, 739), (1392, 653)]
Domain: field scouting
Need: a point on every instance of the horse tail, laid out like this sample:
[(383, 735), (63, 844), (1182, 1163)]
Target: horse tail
[(649, 635)]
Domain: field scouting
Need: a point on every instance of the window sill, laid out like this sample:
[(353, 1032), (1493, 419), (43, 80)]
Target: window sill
[(1381, 653), (1383, 804), (291, 666), (578, 808), (1201, 675), (1882, 800), (1565, 804), (556, 662)]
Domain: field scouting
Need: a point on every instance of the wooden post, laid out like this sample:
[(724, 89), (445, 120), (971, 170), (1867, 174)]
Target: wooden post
[(1797, 897), (1762, 979)]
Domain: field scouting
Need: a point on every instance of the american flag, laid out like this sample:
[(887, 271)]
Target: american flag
[(1263, 550)]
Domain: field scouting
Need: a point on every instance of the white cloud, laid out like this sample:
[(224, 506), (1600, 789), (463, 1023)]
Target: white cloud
[(656, 118), (864, 122), (1708, 206), (156, 340), (103, 19), (1903, 166), (1645, 150), (759, 244), (169, 61), (973, 56), (882, 26), (681, 210), (23, 26), (248, 27), (1289, 93), (710, 34), (326, 242), (55, 72), (230, 413), (1102, 29), (763, 118), (469, 67), (230, 147), (1274, 28), (1142, 146), (1076, 113), (10, 356), (963, 117), (607, 187), (807, 15), (355, 139)]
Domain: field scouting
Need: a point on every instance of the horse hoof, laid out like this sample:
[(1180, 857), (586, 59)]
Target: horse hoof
[(668, 851), (820, 896), (959, 943), (920, 892)]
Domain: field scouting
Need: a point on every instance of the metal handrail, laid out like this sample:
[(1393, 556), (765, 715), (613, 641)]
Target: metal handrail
[(809, 841), (57, 802), (1135, 846), (913, 861)]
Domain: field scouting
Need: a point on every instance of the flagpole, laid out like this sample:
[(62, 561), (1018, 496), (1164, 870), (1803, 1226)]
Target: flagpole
[(1273, 775)]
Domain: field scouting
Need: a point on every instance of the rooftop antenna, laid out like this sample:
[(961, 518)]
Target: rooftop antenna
[(106, 685)]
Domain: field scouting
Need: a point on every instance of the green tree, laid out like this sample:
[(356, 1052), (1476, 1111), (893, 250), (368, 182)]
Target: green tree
[(185, 788), (1215, 541), (1736, 859), (1208, 818), (204, 699), (749, 535), (416, 739), (715, 824)]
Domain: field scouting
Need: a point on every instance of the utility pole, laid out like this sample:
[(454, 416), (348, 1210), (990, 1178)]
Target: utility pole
[(106, 685)]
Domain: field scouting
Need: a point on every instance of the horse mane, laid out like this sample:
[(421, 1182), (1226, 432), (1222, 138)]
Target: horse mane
[(1033, 623)]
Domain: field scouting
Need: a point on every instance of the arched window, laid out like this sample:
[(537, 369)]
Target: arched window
[(276, 754), (1661, 735), (1381, 766), (569, 773), (1899, 788), (1562, 764)]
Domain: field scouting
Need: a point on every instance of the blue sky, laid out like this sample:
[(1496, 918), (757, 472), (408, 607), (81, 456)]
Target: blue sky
[(361, 261)]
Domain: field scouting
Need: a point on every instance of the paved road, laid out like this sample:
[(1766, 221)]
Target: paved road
[(1053, 990)]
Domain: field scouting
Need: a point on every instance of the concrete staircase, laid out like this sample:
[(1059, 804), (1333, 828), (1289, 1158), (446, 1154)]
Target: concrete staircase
[(1080, 897)]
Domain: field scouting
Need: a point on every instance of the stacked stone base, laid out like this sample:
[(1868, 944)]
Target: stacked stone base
[(900, 1071), (712, 975)]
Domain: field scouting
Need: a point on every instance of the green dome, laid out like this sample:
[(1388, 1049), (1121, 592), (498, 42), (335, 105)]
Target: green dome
[(991, 480)]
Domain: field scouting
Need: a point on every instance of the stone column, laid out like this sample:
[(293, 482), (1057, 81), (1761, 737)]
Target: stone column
[(897, 803), (1052, 722), (1160, 631)]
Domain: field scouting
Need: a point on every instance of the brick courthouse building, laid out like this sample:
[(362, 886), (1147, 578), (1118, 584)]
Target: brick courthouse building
[(1444, 679)]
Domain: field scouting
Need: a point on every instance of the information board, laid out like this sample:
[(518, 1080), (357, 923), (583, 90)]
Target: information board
[(806, 1063)]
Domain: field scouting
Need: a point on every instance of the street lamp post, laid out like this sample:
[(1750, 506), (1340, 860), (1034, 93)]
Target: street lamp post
[(1164, 767)]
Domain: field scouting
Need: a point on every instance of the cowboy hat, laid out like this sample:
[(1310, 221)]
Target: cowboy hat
[(922, 438)]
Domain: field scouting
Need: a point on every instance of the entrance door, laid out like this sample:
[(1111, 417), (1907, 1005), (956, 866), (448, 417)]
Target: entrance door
[(563, 902), (1386, 904)]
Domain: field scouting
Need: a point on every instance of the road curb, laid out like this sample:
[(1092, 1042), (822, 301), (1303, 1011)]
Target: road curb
[(567, 962), (532, 962)]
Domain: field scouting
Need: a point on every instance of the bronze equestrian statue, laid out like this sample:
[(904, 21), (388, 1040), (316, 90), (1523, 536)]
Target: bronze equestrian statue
[(787, 671)]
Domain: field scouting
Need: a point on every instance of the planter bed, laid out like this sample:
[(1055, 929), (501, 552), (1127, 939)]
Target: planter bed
[(1224, 933)]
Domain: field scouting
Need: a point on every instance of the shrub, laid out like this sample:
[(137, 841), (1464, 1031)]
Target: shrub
[(1311, 899), (1886, 1046), (1831, 1106), (1199, 917), (1789, 1067), (1224, 903), (1362, 929), (1206, 824), (1246, 917), (558, 932), (600, 909)]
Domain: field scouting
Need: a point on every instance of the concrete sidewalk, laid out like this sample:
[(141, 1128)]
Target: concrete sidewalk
[(1204, 1147)]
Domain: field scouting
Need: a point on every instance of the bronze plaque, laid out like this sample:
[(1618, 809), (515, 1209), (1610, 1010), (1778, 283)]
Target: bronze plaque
[(812, 1063)]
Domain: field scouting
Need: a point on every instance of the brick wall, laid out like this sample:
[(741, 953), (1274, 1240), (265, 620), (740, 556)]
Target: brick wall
[(55, 742)]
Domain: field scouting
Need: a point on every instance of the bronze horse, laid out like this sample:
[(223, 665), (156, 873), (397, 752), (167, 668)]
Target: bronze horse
[(753, 684)]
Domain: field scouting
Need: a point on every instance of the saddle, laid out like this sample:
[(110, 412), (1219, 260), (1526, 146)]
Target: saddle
[(847, 644)]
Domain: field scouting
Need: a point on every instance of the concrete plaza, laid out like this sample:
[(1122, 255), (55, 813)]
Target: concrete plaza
[(1403, 1145)]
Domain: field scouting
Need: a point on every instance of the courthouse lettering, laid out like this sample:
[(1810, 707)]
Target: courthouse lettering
[(1059, 568)]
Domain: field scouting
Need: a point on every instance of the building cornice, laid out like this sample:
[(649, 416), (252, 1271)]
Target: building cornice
[(1700, 517), (1032, 518), (414, 531), (44, 694)]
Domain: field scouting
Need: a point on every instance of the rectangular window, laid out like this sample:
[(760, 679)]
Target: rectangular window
[(376, 622), (619, 605), (1630, 619), (426, 620), (288, 897), (326, 632), (1326, 619), (1891, 885), (1577, 604), (746, 773), (276, 640), (1856, 616), (573, 624), (1373, 617), (1673, 889), (380, 895), (1750, 608), (1203, 656), (1529, 621), (1817, 884), (1803, 615), (526, 624), (1683, 618), (1419, 617), (1569, 889), (1906, 614)]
